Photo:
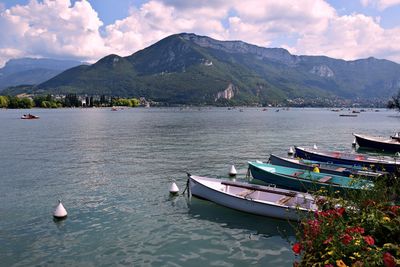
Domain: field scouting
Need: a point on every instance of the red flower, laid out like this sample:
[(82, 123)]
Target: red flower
[(340, 211), (311, 228), (394, 209), (388, 260), (328, 241), (332, 213), (369, 240), (355, 229), (369, 203), (346, 239), (328, 265), (296, 248)]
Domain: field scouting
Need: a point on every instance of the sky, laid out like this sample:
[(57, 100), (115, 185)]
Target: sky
[(88, 30)]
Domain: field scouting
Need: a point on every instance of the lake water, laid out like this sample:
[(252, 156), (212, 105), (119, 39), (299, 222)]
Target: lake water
[(112, 171)]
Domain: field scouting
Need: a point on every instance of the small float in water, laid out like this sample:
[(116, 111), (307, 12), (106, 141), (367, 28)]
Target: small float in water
[(232, 171), (60, 212), (173, 189)]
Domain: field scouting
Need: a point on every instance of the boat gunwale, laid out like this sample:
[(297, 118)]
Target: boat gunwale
[(329, 154), (380, 139)]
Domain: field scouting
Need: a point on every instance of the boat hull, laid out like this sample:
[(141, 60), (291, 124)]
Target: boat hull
[(391, 166), (300, 180), (248, 205), (29, 117), (387, 145), (343, 170)]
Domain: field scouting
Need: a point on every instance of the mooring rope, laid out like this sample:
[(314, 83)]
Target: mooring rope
[(187, 185)]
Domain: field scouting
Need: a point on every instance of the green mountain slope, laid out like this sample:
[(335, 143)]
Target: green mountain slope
[(192, 69)]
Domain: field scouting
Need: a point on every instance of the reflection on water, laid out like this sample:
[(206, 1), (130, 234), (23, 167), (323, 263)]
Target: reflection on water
[(267, 227)]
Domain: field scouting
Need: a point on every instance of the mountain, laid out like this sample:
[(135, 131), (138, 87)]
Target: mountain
[(191, 69), (32, 71)]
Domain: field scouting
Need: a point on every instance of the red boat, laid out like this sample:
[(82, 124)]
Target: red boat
[(29, 117)]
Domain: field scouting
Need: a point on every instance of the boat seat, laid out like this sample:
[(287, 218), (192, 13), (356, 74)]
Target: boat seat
[(245, 193), (296, 174), (283, 200), (340, 169), (325, 179)]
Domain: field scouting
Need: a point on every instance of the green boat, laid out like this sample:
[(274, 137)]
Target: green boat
[(304, 180)]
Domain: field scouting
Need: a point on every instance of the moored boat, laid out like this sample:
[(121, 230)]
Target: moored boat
[(391, 144), (29, 117), (323, 167), (303, 180), (382, 163), (256, 199)]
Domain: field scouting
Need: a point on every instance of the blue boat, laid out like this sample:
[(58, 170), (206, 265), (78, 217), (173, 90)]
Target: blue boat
[(324, 167), (382, 163), (303, 180)]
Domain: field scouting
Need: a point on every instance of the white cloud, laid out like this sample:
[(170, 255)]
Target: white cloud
[(52, 29), (257, 22), (352, 37), (153, 21), (55, 28), (380, 4)]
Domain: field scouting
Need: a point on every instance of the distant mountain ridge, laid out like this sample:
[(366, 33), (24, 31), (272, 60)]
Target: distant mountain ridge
[(32, 70), (190, 69)]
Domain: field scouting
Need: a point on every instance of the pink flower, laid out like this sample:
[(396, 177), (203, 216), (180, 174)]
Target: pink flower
[(369, 240), (388, 260)]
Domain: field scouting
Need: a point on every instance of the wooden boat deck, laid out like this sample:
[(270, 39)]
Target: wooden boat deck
[(325, 179)]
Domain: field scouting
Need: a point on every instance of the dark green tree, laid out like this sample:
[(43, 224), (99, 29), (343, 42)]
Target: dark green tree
[(4, 101), (16, 102), (71, 100), (394, 103), (25, 102)]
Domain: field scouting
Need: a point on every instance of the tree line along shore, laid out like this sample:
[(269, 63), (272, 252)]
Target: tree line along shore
[(69, 100)]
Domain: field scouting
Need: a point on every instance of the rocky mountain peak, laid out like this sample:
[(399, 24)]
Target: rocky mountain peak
[(240, 47)]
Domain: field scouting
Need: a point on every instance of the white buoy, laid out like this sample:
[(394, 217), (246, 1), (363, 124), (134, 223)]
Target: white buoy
[(60, 212), (291, 151), (315, 146), (232, 171), (173, 189), (354, 143)]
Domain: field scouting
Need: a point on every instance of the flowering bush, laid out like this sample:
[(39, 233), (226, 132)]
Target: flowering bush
[(363, 231)]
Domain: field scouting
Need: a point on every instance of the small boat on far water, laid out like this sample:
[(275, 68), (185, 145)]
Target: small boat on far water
[(29, 117), (256, 199), (348, 115), (391, 144)]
